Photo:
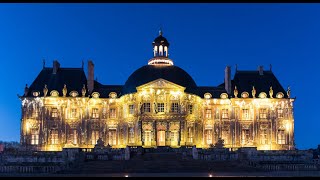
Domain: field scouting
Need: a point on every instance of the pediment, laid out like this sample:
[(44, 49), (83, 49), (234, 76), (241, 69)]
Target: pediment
[(161, 83)]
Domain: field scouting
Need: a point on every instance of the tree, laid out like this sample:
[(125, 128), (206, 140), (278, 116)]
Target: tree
[(219, 143)]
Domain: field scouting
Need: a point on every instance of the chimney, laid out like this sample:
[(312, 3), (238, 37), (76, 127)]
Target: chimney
[(90, 81), (260, 69), (56, 66), (227, 79)]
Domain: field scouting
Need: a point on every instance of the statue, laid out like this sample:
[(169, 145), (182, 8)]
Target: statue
[(45, 90), (253, 92), (271, 92), (64, 90), (83, 90), (235, 92), (288, 92)]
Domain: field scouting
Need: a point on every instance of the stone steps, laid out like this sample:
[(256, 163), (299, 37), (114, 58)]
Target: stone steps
[(157, 163)]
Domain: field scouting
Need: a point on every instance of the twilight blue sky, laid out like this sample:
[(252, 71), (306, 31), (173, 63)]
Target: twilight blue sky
[(204, 39)]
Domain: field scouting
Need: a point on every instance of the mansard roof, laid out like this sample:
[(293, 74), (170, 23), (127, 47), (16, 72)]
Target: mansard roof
[(214, 91), (74, 78), (244, 80), (105, 90)]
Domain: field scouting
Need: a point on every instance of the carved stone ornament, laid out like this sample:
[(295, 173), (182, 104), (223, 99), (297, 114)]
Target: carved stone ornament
[(45, 90), (64, 90), (253, 92), (235, 92), (288, 92), (271, 92)]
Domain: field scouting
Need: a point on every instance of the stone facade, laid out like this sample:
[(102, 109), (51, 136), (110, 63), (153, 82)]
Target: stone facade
[(160, 113)]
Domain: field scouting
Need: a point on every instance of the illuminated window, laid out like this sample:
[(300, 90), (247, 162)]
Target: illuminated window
[(54, 112), (190, 108), (245, 113), (73, 113), (225, 114), (104, 113), (281, 136), (54, 136), (34, 136), (245, 136), (146, 107), (208, 113), (280, 113), (95, 113), (94, 136), (217, 114), (225, 136), (112, 137), (160, 107), (174, 107), (263, 136), (74, 136), (131, 109), (131, 135), (35, 113), (208, 136), (112, 113), (190, 134), (263, 113)]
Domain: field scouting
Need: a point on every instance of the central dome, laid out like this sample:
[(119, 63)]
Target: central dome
[(149, 73)]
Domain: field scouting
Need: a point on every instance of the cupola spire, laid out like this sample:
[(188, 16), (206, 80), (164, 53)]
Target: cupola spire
[(160, 51)]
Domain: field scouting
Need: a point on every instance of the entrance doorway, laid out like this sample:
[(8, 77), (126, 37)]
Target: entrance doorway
[(174, 138), (147, 138), (161, 140), (112, 137)]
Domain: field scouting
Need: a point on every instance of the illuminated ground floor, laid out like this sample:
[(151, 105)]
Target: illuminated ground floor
[(154, 133)]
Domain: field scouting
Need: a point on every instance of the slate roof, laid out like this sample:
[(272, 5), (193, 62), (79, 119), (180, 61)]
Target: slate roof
[(105, 90), (244, 80), (214, 91), (74, 78), (150, 73)]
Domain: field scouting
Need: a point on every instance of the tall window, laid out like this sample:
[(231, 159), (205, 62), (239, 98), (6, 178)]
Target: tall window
[(54, 136), (190, 108), (225, 135), (208, 113), (73, 113), (112, 113), (280, 113), (225, 114), (160, 107), (131, 135), (74, 136), (104, 112), (95, 113), (34, 136), (35, 113), (217, 114), (112, 137), (94, 136), (245, 136), (131, 109), (245, 113), (263, 136), (146, 107), (208, 136), (190, 134), (54, 112), (174, 107), (281, 137), (263, 113)]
